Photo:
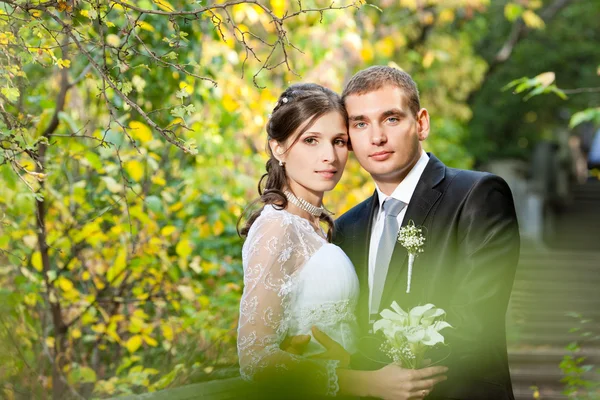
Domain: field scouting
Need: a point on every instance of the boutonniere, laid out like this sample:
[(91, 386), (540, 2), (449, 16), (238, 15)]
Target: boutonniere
[(412, 239)]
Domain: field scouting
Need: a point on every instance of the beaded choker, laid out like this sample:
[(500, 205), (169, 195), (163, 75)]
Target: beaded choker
[(304, 205)]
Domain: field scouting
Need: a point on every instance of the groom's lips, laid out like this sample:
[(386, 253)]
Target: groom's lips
[(381, 155)]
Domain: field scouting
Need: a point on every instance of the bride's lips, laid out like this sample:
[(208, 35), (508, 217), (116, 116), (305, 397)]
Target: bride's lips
[(327, 173), (381, 155)]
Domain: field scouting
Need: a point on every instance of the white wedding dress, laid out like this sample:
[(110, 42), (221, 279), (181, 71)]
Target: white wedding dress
[(293, 280)]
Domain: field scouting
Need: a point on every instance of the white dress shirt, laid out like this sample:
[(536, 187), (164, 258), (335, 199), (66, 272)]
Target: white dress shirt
[(403, 192)]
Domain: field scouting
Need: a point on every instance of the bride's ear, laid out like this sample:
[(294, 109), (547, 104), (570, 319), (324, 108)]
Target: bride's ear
[(277, 150)]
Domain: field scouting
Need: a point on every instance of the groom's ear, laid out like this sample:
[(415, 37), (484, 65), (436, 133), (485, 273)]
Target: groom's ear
[(423, 124)]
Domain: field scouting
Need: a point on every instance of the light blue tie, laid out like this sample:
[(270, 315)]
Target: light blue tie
[(391, 207)]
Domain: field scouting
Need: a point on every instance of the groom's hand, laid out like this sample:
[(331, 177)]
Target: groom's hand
[(333, 350), (295, 344)]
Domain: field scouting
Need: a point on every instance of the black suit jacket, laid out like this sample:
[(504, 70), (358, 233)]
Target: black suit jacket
[(467, 268)]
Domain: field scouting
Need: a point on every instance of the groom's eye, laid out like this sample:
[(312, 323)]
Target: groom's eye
[(360, 125)]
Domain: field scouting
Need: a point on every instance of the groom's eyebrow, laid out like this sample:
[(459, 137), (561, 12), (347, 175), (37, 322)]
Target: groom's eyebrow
[(396, 112), (357, 118)]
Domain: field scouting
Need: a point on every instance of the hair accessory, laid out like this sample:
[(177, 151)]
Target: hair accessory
[(304, 205), (284, 99)]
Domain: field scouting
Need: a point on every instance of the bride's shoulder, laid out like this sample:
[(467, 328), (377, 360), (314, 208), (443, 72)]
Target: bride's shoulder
[(274, 221)]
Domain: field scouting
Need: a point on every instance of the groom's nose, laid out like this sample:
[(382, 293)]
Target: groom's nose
[(377, 135)]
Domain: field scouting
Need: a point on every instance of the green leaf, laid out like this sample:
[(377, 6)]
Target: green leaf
[(154, 204), (512, 11), (12, 94), (87, 375), (590, 114)]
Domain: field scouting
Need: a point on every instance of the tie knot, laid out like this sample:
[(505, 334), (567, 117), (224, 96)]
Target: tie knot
[(392, 207)]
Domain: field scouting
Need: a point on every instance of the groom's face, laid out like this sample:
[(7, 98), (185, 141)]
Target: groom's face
[(385, 135)]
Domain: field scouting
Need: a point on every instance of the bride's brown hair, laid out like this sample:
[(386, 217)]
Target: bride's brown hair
[(297, 104)]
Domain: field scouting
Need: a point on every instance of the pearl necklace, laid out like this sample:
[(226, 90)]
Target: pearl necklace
[(304, 205)]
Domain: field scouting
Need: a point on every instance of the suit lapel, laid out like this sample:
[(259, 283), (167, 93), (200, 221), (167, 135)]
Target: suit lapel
[(362, 234), (421, 203)]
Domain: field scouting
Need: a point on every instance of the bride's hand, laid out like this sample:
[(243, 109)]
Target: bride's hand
[(394, 382), (295, 344), (333, 350)]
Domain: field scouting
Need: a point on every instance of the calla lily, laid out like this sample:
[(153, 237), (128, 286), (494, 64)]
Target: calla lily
[(409, 334)]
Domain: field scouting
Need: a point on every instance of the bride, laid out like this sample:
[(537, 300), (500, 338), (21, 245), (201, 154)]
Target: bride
[(295, 281)]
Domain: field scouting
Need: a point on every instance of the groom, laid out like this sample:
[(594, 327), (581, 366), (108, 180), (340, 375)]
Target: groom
[(470, 227)]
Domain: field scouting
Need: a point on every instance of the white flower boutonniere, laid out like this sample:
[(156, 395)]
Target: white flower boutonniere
[(412, 239)]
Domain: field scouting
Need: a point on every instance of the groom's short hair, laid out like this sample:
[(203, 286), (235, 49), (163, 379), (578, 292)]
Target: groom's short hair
[(378, 76)]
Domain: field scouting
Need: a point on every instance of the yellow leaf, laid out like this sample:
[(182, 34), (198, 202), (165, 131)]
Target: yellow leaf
[(176, 207), (167, 332), (168, 230), (134, 343), (63, 63), (99, 328), (188, 88), (412, 4), (385, 47), (50, 342), (184, 248), (135, 169), (150, 341), (204, 301), (86, 276), (278, 7), (36, 261), (145, 26), (164, 5), (428, 59), (532, 20), (204, 230), (446, 16), (218, 228), (546, 78), (187, 292), (30, 241), (109, 24), (112, 185), (140, 131), (366, 52), (115, 271), (65, 284), (229, 103), (113, 40), (157, 180), (75, 333)]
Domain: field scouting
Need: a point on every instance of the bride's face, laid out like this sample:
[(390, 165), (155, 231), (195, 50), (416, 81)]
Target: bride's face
[(314, 162)]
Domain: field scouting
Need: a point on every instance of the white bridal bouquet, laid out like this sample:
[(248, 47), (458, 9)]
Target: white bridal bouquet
[(410, 334)]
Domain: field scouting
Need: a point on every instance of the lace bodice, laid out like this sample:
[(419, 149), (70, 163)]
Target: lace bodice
[(293, 279)]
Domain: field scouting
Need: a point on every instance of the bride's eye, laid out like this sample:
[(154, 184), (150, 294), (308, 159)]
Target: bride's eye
[(310, 140), (340, 142)]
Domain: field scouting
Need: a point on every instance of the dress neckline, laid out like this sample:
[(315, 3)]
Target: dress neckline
[(302, 220)]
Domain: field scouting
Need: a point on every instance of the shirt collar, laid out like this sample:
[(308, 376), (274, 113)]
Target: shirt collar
[(406, 188)]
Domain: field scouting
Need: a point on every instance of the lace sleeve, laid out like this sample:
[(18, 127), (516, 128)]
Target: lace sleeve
[(271, 255)]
